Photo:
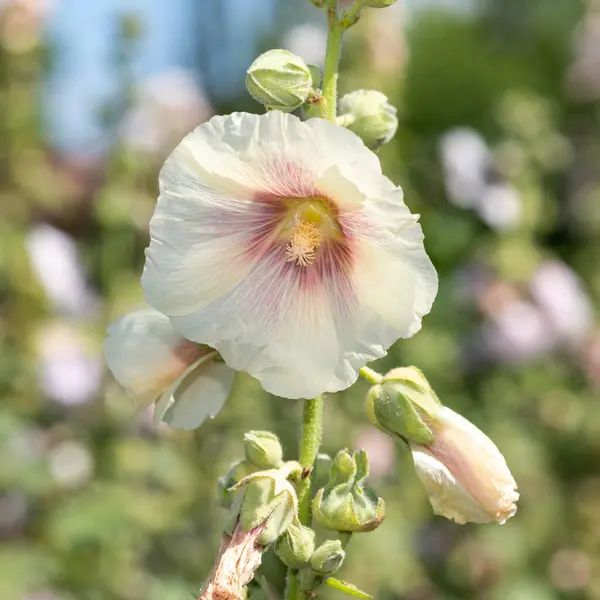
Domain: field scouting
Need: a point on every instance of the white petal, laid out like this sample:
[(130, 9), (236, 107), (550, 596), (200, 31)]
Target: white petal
[(448, 498), (146, 355), (199, 394)]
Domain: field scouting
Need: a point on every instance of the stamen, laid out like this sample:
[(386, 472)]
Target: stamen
[(304, 240)]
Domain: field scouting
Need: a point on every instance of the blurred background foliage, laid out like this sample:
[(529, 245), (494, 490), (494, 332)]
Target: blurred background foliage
[(498, 150)]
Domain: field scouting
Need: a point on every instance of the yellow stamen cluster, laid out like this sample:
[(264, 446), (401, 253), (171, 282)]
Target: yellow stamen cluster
[(304, 240)]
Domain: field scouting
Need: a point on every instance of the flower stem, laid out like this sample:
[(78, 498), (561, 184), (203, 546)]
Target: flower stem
[(371, 376), (312, 425), (332, 59), (310, 440)]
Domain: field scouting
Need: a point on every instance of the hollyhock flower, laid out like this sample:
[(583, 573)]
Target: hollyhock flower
[(465, 475), (280, 244), (154, 363)]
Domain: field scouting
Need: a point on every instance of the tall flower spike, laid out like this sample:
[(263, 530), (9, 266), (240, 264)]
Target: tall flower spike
[(279, 243), (464, 473), (155, 363)]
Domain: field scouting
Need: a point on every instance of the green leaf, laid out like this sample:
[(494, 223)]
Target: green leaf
[(347, 588)]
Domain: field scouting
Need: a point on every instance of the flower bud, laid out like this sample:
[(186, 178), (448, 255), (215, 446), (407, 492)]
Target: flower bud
[(370, 116), (345, 503), (236, 472), (263, 449), (399, 404), (267, 499), (296, 546), (279, 80), (464, 473), (328, 557)]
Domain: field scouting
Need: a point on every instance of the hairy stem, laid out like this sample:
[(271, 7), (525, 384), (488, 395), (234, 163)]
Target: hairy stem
[(332, 59)]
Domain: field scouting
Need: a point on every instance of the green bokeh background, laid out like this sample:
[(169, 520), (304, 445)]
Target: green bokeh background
[(136, 518)]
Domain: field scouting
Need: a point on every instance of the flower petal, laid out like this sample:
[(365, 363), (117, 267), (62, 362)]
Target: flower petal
[(146, 355), (447, 496), (199, 394)]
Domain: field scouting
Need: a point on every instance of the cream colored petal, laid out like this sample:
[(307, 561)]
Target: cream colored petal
[(476, 462), (146, 355), (447, 496), (199, 394)]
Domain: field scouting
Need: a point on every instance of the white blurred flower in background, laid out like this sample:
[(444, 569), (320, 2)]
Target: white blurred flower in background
[(500, 206), (71, 463), (466, 159), (166, 107), (55, 260), (307, 41)]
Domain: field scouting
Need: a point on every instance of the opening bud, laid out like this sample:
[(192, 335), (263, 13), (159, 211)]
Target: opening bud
[(237, 471), (279, 80), (328, 557), (296, 546), (370, 116), (345, 503), (263, 449), (267, 499)]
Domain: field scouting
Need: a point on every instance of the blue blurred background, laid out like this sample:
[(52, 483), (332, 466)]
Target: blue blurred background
[(498, 149)]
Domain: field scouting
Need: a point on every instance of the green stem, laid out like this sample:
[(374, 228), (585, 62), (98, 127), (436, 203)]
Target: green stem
[(292, 585), (310, 440), (332, 59), (371, 376)]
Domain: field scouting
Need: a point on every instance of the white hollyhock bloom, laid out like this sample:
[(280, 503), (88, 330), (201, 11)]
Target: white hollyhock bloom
[(465, 475), (280, 243), (154, 363)]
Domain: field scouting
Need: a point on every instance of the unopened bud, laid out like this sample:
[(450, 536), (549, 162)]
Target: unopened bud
[(328, 557), (267, 499), (370, 116), (400, 403), (279, 80), (236, 472), (345, 503), (263, 449), (296, 546)]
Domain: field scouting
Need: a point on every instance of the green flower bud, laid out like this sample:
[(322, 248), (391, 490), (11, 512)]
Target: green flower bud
[(328, 557), (345, 503), (296, 546), (266, 499), (402, 403), (263, 449), (370, 116), (279, 80), (237, 471)]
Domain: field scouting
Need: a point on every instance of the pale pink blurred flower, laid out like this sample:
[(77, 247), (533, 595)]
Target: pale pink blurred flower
[(69, 369), (518, 332), (380, 449), (560, 294)]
